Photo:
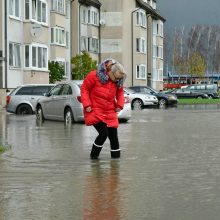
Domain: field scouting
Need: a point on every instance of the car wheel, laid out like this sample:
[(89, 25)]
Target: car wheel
[(162, 102), (39, 114), (137, 104), (24, 109), (210, 96), (68, 116)]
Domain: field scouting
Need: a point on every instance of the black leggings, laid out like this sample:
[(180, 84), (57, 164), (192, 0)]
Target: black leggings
[(105, 132)]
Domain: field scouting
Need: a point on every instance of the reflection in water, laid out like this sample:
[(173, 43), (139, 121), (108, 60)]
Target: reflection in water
[(102, 195)]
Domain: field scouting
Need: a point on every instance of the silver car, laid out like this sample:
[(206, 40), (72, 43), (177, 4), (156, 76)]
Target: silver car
[(63, 103), (139, 100), (23, 99)]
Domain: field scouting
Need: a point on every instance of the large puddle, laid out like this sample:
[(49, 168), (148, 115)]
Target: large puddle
[(169, 168)]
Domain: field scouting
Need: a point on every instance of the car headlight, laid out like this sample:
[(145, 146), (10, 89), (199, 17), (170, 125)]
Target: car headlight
[(172, 97)]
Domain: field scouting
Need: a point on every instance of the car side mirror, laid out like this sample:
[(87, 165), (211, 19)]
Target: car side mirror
[(47, 94)]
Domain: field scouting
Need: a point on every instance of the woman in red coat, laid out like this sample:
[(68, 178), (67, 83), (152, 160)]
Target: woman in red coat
[(102, 97)]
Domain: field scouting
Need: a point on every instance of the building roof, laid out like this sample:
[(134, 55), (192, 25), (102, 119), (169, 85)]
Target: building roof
[(94, 3), (150, 10)]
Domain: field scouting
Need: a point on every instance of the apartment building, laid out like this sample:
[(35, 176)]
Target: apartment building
[(36, 31), (2, 62), (132, 32), (86, 28)]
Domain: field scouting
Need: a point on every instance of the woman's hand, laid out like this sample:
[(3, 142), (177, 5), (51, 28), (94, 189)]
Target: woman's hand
[(88, 109), (118, 109)]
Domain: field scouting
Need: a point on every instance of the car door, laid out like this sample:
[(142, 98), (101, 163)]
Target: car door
[(51, 102), (181, 93), (63, 100)]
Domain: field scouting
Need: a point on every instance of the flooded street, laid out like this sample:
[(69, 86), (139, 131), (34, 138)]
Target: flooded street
[(169, 169)]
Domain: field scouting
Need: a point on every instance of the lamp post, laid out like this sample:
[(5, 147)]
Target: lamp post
[(132, 45)]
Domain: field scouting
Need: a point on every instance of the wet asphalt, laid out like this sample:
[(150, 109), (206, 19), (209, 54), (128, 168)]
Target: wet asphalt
[(169, 169)]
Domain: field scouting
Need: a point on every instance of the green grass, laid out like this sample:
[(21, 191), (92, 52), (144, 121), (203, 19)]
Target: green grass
[(198, 101), (3, 148)]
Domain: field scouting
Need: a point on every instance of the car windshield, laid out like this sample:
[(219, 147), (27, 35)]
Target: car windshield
[(153, 90)]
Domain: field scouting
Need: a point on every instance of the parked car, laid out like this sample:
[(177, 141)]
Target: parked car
[(63, 103), (139, 100), (186, 93), (163, 98), (210, 89), (23, 99)]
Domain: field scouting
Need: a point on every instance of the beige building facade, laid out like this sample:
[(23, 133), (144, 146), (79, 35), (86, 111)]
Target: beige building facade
[(37, 31), (86, 28), (130, 31)]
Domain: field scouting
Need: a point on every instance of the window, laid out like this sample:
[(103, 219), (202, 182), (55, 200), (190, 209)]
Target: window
[(58, 36), (84, 44), (27, 9), (56, 90), (34, 90), (92, 17), (158, 28), (41, 90), (63, 64), (58, 6), (157, 74), (14, 55), (93, 45), (158, 51), (36, 10), (25, 91), (141, 45), (141, 71), (141, 18), (36, 56), (84, 17), (14, 9), (154, 5), (66, 90)]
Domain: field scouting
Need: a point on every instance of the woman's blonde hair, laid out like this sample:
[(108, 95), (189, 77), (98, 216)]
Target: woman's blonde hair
[(118, 66)]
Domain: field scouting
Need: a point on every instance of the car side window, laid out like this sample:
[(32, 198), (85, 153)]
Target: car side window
[(210, 87), (66, 90), (40, 90), (27, 90), (179, 90), (56, 90)]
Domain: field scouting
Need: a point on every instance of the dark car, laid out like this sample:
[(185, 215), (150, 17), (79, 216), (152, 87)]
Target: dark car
[(210, 89), (164, 99), (186, 93)]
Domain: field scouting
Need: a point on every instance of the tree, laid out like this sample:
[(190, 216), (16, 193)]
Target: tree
[(56, 71), (82, 65), (196, 65), (179, 59)]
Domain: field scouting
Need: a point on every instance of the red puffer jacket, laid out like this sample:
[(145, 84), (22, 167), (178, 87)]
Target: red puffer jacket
[(103, 99)]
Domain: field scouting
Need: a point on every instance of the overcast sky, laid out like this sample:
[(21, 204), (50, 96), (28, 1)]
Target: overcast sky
[(189, 12)]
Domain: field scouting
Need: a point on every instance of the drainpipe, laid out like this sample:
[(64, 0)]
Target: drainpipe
[(99, 61), (132, 46), (6, 46), (79, 26), (149, 35), (71, 35)]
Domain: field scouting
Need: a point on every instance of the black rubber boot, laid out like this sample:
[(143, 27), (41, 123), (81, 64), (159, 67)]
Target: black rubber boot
[(95, 152), (115, 153)]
